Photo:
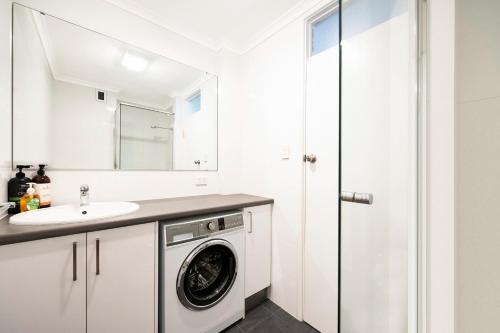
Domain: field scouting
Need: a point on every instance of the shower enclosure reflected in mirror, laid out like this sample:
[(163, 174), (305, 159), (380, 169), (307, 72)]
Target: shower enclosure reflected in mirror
[(85, 101)]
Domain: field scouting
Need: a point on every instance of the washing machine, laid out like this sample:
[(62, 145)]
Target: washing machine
[(202, 273)]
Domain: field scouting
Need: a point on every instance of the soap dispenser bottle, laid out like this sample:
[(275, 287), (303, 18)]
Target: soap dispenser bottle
[(31, 200), (17, 187), (42, 186)]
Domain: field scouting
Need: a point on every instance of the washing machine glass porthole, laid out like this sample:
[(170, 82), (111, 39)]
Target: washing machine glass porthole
[(207, 275)]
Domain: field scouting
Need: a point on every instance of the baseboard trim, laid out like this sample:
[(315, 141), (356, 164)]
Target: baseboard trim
[(255, 300)]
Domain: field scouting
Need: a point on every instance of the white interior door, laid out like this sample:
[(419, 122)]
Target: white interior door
[(322, 188)]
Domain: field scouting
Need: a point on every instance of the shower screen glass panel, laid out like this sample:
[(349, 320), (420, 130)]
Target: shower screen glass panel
[(378, 157), (148, 134), (69, 88)]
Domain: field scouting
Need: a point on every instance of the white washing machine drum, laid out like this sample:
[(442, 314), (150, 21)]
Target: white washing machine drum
[(207, 274)]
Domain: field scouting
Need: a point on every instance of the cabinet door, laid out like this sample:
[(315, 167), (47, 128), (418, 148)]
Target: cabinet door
[(42, 286), (258, 248), (121, 271)]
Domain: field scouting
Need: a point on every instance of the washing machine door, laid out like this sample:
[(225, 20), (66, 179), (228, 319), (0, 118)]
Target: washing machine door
[(207, 274)]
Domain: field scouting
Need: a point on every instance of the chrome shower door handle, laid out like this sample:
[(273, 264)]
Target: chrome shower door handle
[(362, 198)]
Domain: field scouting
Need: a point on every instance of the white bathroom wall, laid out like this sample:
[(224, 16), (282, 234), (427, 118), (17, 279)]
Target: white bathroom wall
[(230, 122), (82, 134), (32, 93), (478, 162), (273, 120), (438, 172), (108, 19)]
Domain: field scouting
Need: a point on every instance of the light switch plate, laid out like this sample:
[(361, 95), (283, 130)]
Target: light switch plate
[(285, 152), (201, 181)]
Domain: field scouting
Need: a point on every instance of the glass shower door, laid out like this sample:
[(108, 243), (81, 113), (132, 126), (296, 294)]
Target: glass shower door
[(146, 139), (377, 159)]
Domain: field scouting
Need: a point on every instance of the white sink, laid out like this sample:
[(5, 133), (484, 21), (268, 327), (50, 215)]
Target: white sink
[(74, 214)]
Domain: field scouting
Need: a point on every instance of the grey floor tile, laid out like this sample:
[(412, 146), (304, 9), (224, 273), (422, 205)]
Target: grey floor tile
[(233, 329), (254, 318), (270, 325), (294, 325), (285, 316), (303, 327), (271, 306), (269, 318)]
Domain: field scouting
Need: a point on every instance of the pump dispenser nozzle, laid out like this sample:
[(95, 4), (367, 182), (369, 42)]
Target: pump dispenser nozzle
[(21, 174), (41, 170)]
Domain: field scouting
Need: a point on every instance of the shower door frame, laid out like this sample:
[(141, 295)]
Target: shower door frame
[(417, 230)]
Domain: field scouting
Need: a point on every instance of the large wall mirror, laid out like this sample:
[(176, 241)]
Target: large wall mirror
[(85, 101)]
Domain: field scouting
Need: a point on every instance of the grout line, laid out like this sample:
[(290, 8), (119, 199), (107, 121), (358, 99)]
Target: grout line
[(239, 328)]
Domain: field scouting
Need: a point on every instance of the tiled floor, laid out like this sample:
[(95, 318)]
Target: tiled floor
[(269, 318)]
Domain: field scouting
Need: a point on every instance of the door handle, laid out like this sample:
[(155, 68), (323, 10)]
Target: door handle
[(310, 158), (362, 198)]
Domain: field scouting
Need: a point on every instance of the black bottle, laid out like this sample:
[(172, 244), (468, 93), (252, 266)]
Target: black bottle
[(17, 188), (42, 186)]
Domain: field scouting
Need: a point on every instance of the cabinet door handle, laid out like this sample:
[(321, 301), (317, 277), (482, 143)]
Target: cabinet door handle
[(97, 265), (74, 261), (250, 224)]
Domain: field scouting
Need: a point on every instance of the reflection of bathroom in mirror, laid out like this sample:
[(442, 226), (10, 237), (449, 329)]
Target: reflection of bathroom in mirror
[(96, 103)]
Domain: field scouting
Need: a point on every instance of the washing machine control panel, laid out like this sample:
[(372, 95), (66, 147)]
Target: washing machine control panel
[(186, 230), (220, 223)]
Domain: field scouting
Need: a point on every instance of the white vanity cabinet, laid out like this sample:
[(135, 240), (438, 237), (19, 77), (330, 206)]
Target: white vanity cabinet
[(121, 279), (43, 286), (101, 281), (258, 248)]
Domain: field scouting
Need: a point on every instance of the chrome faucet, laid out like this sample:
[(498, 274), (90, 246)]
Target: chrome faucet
[(4, 207), (84, 195), (7, 205)]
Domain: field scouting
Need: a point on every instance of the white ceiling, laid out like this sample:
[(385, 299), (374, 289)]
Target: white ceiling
[(214, 23), (81, 56), (84, 57)]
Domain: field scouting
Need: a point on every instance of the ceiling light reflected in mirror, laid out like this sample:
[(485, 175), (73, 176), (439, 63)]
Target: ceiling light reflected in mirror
[(134, 62)]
